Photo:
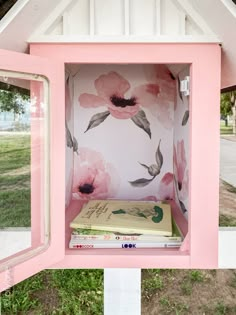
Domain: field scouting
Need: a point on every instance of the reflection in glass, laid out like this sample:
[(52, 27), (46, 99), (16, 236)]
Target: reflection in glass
[(23, 166)]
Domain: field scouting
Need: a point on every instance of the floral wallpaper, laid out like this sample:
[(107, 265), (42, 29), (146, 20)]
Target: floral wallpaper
[(181, 146), (120, 130), (71, 144)]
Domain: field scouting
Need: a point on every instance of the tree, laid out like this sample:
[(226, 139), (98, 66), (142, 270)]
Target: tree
[(233, 103), (225, 106), (228, 107), (13, 101)]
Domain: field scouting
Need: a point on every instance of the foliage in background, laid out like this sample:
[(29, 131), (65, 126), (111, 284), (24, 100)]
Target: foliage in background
[(15, 180), (226, 104), (13, 101)]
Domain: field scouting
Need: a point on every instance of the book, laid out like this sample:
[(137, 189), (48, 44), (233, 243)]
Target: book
[(123, 216), (92, 235), (120, 244)]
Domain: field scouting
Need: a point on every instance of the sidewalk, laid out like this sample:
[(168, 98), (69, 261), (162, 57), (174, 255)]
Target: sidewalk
[(228, 137), (228, 159)]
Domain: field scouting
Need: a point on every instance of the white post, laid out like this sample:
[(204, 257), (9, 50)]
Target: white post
[(122, 291), (227, 248)]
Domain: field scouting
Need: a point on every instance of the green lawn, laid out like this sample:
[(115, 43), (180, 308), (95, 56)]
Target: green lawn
[(51, 291), (225, 130), (55, 292), (15, 180)]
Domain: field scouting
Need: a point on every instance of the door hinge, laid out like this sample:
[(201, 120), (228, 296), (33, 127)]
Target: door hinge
[(185, 86)]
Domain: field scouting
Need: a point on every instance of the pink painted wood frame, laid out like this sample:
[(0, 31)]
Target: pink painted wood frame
[(54, 71), (205, 61)]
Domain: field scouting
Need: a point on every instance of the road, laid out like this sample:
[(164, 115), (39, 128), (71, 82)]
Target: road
[(228, 161)]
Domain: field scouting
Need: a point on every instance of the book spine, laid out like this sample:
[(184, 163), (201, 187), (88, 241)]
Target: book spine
[(113, 237), (119, 229), (128, 245)]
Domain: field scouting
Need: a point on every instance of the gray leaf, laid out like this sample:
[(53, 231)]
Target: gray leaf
[(75, 145), (97, 119), (185, 118), (159, 157), (141, 182), (144, 165), (69, 141), (183, 208), (141, 121), (180, 93)]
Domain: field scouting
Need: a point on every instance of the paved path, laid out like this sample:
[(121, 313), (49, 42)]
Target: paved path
[(228, 160)]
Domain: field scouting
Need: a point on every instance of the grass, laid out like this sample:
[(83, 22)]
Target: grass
[(157, 280), (192, 277), (189, 292), (229, 187), (170, 306), (14, 152), (225, 130), (218, 308), (51, 291), (196, 276), (227, 220), (232, 282), (15, 180), (18, 202), (56, 292)]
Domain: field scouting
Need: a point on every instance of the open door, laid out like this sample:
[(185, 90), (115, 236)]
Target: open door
[(32, 150)]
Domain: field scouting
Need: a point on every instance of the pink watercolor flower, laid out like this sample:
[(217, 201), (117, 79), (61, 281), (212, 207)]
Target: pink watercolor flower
[(166, 187), (149, 198), (68, 103), (111, 89), (183, 193), (166, 100), (93, 177), (180, 164)]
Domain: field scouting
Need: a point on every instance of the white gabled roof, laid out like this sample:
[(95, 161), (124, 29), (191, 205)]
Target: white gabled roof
[(102, 20), (23, 19), (221, 16), (74, 21)]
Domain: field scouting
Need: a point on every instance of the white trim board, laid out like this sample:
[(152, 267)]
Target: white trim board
[(124, 39), (12, 13), (227, 248), (162, 10)]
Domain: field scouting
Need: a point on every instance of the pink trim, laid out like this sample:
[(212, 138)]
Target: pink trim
[(54, 71), (204, 146), (36, 167), (204, 157)]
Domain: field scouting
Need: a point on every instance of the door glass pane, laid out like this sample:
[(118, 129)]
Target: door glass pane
[(24, 170)]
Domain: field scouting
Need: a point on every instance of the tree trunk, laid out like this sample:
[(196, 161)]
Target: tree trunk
[(234, 117), (226, 121), (233, 102)]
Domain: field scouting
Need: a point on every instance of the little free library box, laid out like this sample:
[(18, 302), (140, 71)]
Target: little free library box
[(124, 105)]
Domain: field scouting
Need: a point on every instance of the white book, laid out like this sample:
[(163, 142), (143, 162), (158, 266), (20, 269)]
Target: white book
[(122, 244)]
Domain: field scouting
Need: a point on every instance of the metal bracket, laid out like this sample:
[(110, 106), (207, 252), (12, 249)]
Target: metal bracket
[(185, 86)]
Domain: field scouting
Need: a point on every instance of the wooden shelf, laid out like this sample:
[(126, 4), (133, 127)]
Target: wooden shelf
[(136, 258)]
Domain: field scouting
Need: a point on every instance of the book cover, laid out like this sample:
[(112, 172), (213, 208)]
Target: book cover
[(92, 235), (122, 244), (128, 217)]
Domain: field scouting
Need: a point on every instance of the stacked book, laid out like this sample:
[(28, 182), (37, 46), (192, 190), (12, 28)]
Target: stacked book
[(124, 224)]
